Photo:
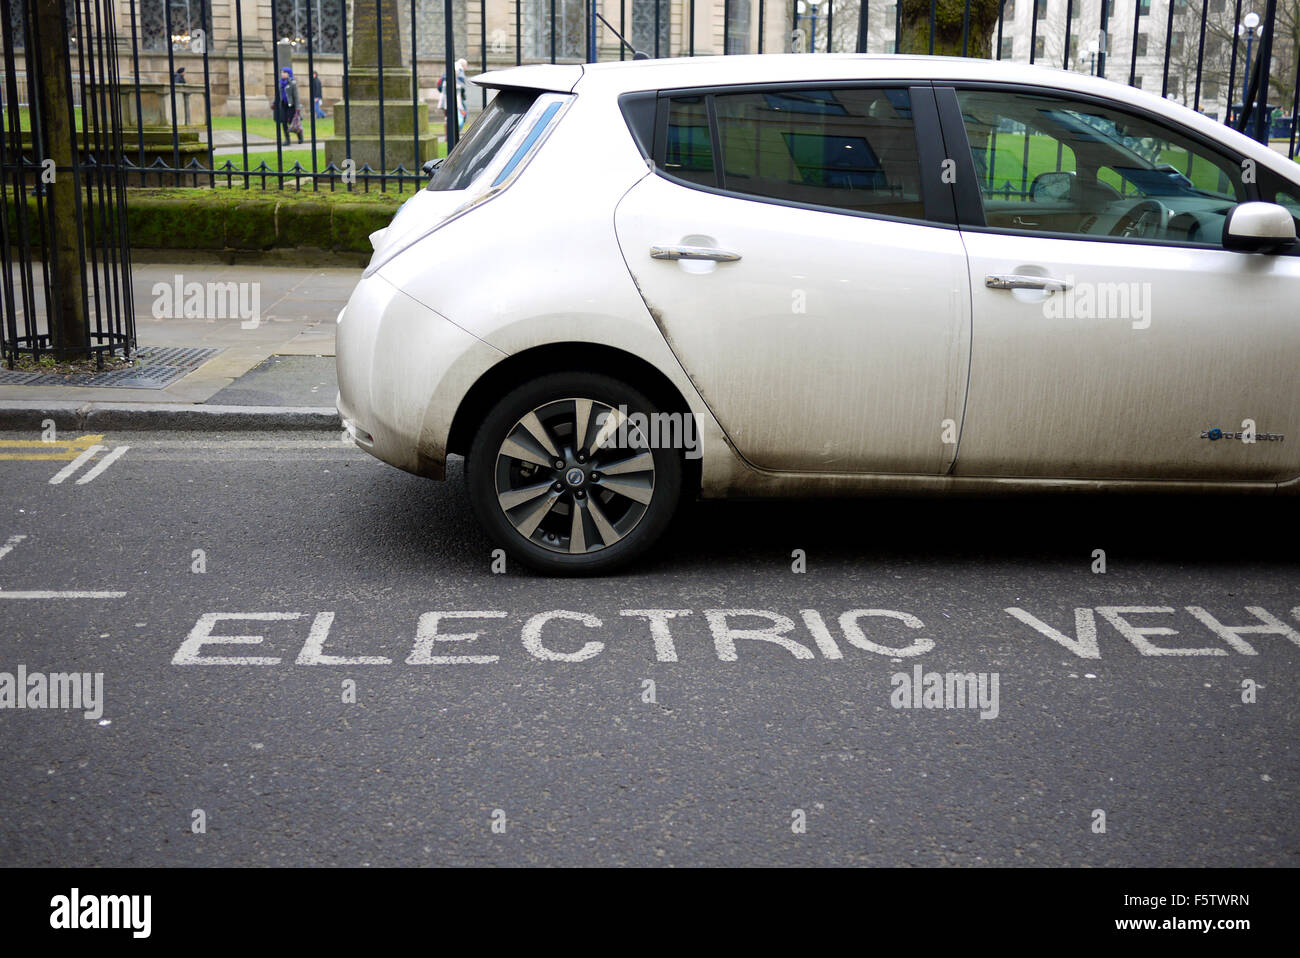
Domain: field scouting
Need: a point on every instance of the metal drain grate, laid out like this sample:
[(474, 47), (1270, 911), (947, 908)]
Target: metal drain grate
[(159, 366)]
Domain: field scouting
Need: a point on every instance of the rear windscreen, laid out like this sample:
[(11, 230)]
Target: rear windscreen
[(482, 139)]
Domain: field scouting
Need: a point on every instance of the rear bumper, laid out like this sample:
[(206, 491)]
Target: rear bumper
[(403, 370)]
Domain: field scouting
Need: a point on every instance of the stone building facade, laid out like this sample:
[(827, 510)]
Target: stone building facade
[(156, 36)]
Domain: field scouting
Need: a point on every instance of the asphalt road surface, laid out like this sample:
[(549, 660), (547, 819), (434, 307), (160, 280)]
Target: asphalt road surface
[(761, 725)]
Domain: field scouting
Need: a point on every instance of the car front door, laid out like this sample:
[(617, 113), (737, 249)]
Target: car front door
[(788, 248), (1113, 335)]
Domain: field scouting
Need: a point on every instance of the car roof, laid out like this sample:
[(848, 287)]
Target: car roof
[(627, 76)]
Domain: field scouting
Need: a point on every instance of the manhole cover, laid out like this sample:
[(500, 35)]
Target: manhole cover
[(158, 366)]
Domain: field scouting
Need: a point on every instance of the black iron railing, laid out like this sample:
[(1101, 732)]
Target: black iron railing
[(380, 68), (65, 256)]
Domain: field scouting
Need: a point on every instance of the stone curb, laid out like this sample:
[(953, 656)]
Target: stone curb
[(28, 415)]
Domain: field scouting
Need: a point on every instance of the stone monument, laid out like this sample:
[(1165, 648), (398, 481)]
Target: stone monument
[(376, 37)]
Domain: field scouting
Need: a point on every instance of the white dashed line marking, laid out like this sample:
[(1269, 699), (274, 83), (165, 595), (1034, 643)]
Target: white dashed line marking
[(8, 547), (76, 464), (103, 464)]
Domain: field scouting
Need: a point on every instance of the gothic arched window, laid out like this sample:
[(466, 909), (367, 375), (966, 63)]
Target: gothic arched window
[(570, 29), (643, 26), (290, 21)]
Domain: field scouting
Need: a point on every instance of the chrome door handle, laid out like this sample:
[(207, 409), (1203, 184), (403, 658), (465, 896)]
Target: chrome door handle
[(693, 252), (1015, 281)]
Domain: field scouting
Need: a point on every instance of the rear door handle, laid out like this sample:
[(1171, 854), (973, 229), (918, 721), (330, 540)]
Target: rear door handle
[(694, 252), (1017, 281)]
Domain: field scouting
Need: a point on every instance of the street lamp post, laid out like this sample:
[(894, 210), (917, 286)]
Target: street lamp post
[(1249, 29), (1093, 47), (808, 9)]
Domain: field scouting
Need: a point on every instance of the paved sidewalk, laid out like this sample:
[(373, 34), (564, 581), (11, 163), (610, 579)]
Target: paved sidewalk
[(283, 361)]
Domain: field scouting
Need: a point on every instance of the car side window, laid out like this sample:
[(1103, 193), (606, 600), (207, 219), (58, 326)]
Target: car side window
[(850, 149), (1053, 165), (1290, 199), (688, 153), (853, 149)]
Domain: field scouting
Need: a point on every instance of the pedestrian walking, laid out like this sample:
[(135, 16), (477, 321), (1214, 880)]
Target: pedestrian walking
[(317, 96), (286, 112), (461, 111)]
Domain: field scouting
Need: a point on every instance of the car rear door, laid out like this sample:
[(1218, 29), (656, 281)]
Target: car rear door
[(796, 246)]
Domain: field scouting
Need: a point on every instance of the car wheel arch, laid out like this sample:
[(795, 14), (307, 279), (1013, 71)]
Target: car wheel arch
[(567, 357)]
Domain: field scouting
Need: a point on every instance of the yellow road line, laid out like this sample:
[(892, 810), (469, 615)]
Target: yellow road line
[(62, 450)]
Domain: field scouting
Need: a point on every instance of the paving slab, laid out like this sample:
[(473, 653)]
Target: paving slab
[(284, 381), (296, 312)]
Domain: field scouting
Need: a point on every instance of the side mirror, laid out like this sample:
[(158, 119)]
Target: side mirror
[(1050, 186), (1258, 228)]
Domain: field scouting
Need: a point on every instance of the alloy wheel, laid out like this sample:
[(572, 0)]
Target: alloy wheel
[(574, 476)]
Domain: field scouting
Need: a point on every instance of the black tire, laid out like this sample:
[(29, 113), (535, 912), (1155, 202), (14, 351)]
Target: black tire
[(564, 543)]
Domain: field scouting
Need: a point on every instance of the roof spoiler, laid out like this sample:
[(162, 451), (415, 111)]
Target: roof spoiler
[(547, 77)]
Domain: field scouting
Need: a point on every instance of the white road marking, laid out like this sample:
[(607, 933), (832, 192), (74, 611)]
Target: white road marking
[(313, 650), (426, 633), (854, 635), (724, 635), (532, 637), (1115, 615), (8, 547), (103, 464), (76, 464), (1085, 627), (190, 651), (1232, 634), (4, 594), (273, 444), (665, 650), (821, 635), (431, 645)]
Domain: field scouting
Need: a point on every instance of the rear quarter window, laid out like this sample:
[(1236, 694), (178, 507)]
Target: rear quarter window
[(482, 139)]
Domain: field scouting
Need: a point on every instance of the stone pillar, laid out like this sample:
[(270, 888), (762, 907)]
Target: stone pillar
[(375, 37)]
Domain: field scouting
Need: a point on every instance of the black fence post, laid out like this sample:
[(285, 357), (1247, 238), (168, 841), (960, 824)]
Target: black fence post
[(1263, 71), (1169, 47), (1069, 18), (1103, 40), (1033, 30), (449, 82)]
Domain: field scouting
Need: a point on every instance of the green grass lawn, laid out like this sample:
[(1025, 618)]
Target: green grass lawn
[(1010, 164), (265, 126), (283, 161), (1005, 157)]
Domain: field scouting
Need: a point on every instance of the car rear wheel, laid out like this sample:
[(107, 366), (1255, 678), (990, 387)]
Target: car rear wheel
[(560, 474)]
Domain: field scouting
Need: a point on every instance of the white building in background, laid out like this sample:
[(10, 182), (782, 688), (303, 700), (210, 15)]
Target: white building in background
[(488, 33), (491, 33), (1037, 27)]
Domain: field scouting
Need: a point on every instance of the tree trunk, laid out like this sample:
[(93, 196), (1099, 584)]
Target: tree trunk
[(948, 19), (66, 308)]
